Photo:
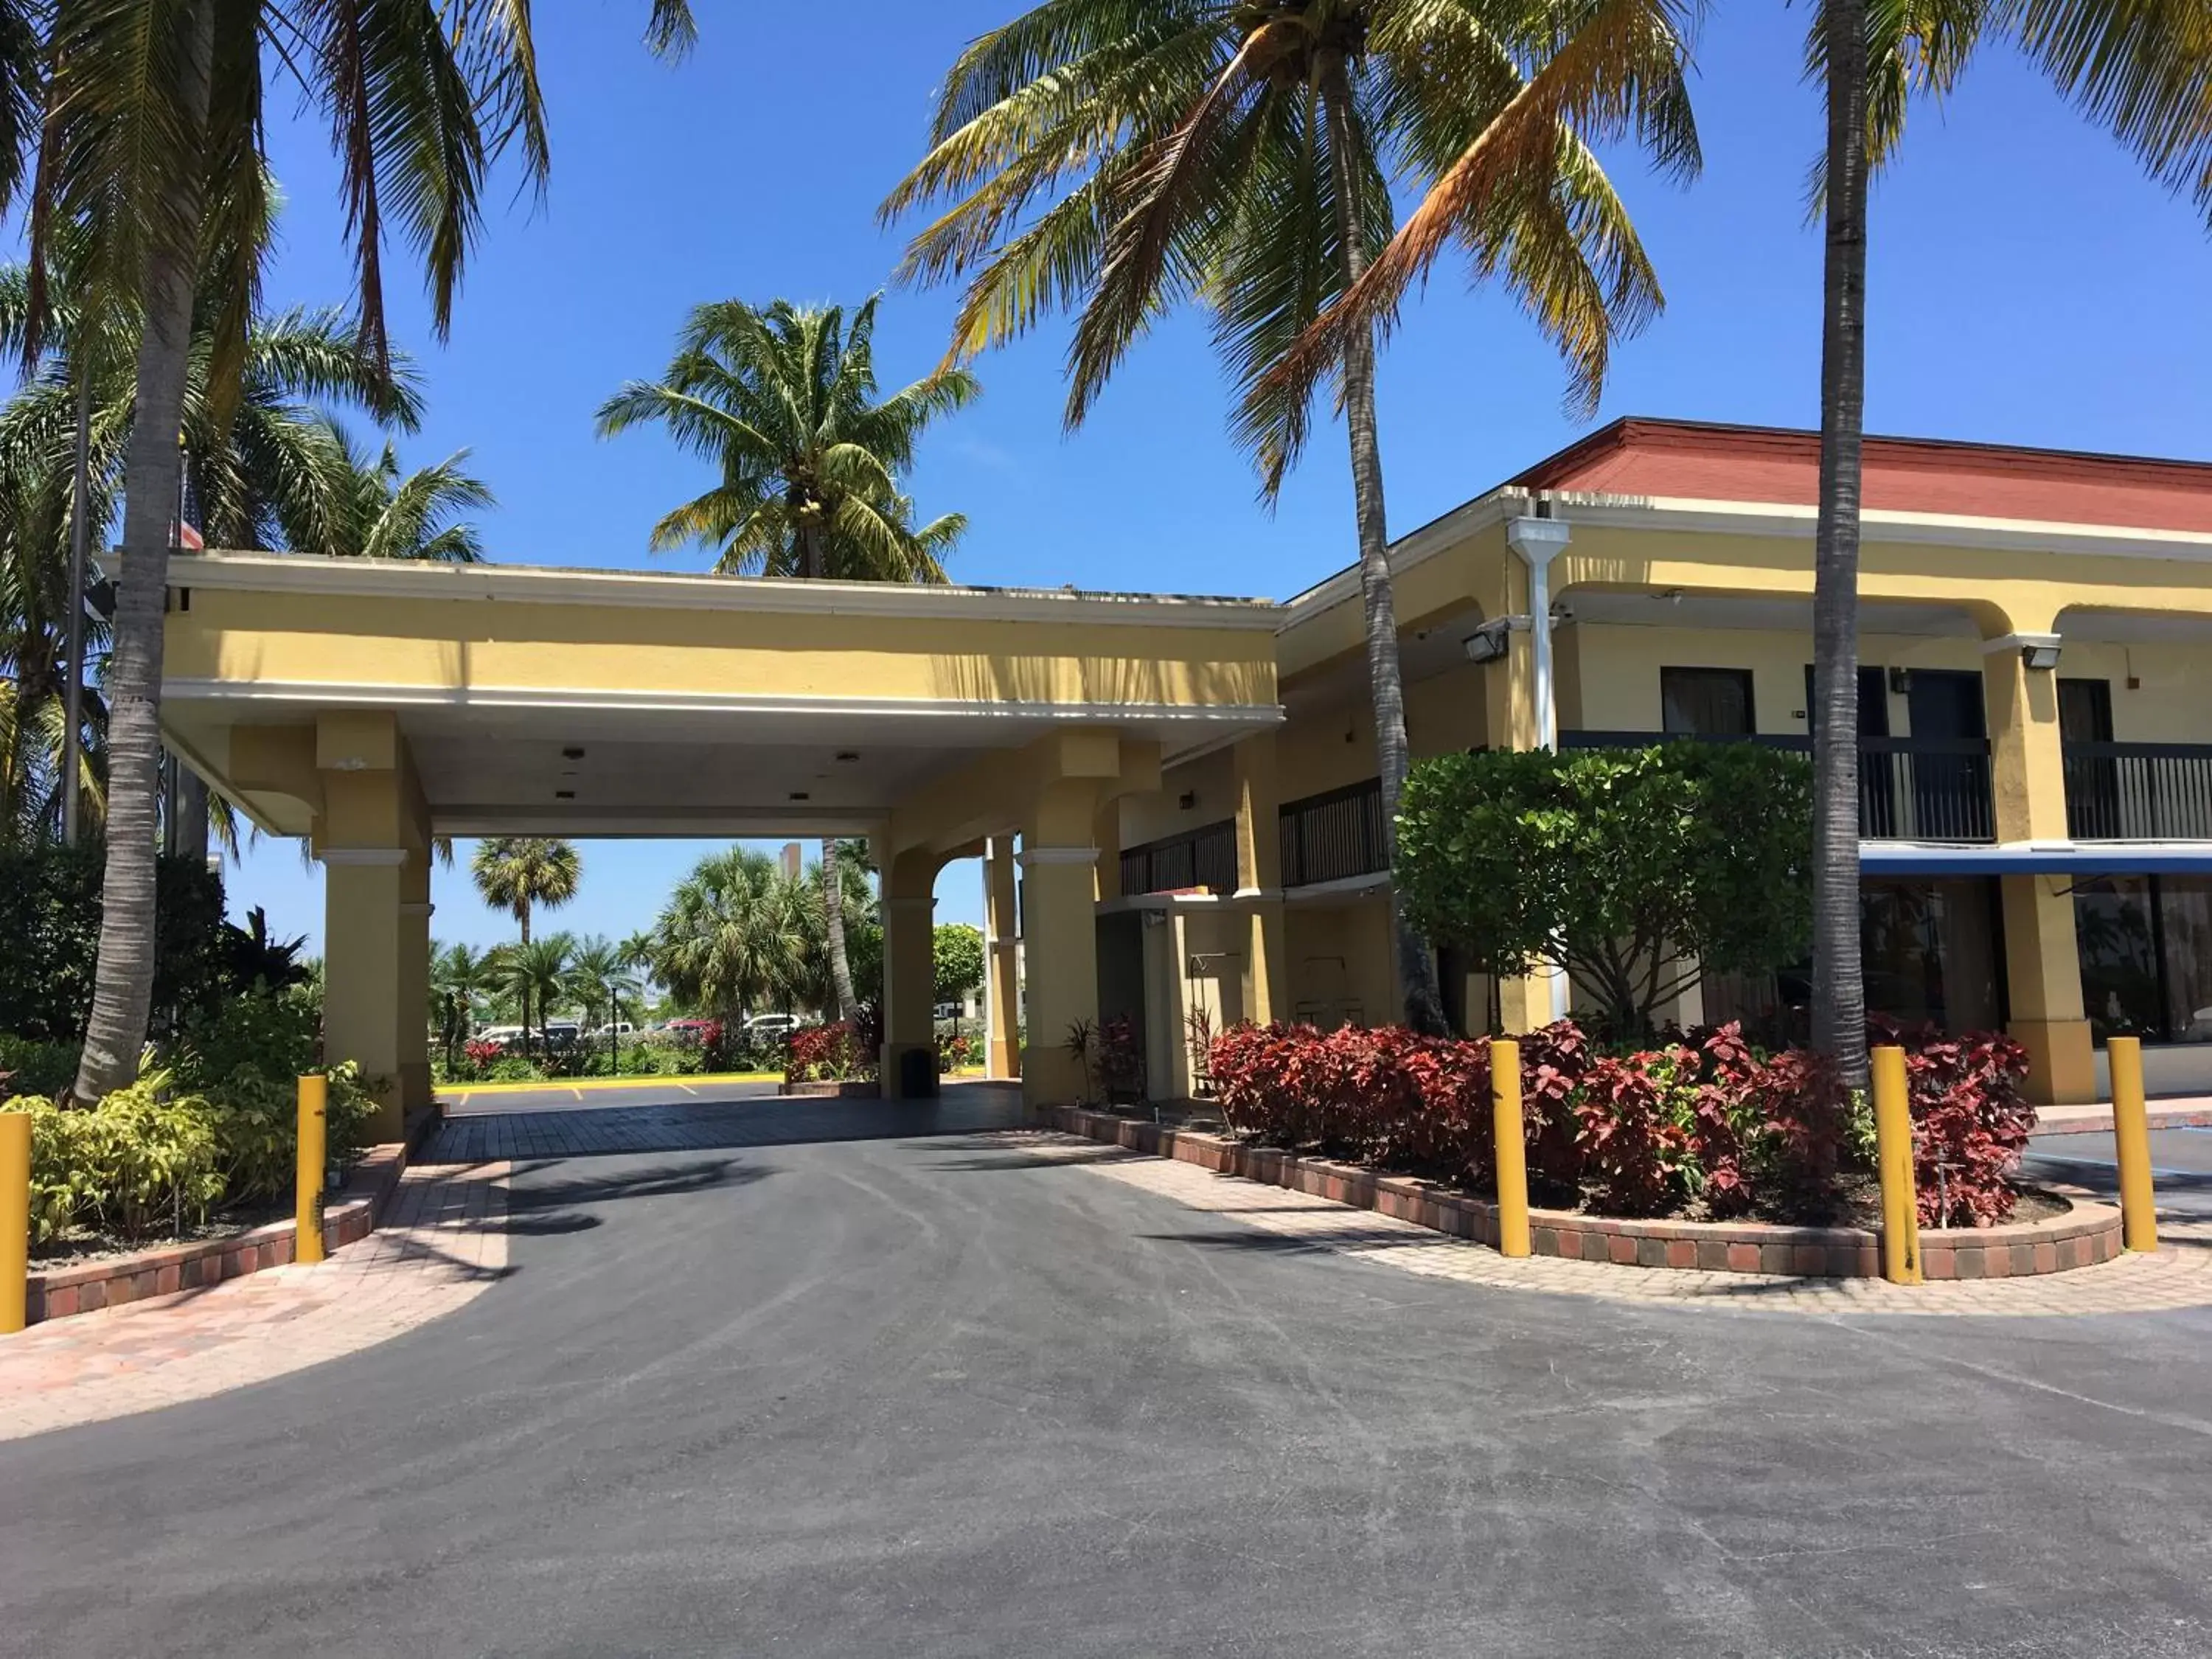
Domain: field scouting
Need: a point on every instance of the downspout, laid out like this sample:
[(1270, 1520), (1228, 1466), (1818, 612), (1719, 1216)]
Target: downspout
[(1539, 540)]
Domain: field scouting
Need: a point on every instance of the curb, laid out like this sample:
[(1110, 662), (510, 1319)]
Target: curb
[(2100, 1122), (2088, 1235), (643, 1080)]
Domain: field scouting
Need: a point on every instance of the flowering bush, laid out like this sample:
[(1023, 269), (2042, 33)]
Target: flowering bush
[(1704, 1120), (953, 1052)]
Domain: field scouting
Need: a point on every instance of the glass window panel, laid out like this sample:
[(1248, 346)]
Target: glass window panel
[(2186, 913), (2113, 924)]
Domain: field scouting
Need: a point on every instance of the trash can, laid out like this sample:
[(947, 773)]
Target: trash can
[(917, 1074)]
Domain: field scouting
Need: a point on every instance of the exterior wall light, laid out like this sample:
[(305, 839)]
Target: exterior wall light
[(2041, 654), (1487, 643)]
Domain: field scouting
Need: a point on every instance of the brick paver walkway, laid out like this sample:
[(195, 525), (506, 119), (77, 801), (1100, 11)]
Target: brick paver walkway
[(443, 1242), (2178, 1276)]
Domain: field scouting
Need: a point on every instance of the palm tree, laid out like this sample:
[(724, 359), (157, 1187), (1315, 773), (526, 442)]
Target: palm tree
[(736, 935), (272, 473), (1240, 153), (534, 972), (598, 980), (459, 975), (517, 874), (2143, 68), (151, 149), (2138, 68), (391, 515), (783, 401)]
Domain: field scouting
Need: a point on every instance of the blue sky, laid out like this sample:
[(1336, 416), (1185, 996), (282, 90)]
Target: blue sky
[(2027, 286)]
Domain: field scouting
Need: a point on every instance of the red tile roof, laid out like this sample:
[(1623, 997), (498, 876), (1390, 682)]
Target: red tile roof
[(1709, 461)]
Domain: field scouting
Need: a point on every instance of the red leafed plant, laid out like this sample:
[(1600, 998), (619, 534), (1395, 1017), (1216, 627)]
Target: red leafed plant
[(1969, 1122), (821, 1054)]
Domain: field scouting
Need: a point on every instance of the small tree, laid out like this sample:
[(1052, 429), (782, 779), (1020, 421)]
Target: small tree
[(1635, 871), (959, 951)]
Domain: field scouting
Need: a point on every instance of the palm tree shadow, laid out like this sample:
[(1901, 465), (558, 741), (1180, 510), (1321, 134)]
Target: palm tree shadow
[(548, 1208)]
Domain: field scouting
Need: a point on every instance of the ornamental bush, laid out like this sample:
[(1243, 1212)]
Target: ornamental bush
[(1703, 1122)]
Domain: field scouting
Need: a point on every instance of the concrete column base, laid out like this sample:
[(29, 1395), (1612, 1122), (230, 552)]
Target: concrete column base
[(2062, 1061)]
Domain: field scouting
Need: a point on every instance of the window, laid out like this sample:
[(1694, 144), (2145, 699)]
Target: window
[(1706, 702), (2145, 945)]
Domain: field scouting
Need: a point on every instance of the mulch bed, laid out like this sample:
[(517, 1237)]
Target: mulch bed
[(78, 1247)]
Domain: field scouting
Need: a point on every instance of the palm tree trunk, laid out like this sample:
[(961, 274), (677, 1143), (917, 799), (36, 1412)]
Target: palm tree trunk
[(522, 917), (810, 552), (80, 559), (1839, 991), (122, 979), (1416, 967), (833, 922)]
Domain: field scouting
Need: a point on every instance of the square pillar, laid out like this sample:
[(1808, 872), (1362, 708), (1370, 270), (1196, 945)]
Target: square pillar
[(909, 968), (418, 1093), (1059, 930), (1515, 718), (1002, 961), (363, 1019), (2043, 959), (1266, 970)]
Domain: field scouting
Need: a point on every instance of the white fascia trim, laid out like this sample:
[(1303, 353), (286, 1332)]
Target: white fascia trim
[(714, 702), (1933, 529), (1438, 535), (375, 857), (2004, 642), (1343, 887), (301, 573), (1083, 855)]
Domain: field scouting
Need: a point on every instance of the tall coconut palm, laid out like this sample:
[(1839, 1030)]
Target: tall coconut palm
[(735, 935), (2141, 67), (410, 515), (152, 149), (1116, 157), (271, 474), (782, 401), (520, 873)]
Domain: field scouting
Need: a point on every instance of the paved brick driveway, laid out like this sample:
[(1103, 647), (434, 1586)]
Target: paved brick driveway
[(442, 1244)]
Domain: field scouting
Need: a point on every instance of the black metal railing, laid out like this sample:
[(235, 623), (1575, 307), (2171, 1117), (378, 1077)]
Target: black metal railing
[(2139, 791), (1204, 857), (1910, 788), (1335, 835)]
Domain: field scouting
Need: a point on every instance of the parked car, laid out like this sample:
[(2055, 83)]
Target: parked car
[(621, 1028), (771, 1028), (691, 1030), (501, 1037), (562, 1033)]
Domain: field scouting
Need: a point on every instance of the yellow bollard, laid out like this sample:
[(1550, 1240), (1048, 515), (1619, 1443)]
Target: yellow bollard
[(2131, 1143), (14, 1219), (1512, 1153), (1893, 1133), (307, 1238)]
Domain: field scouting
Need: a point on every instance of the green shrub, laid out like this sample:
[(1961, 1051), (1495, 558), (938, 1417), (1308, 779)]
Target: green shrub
[(28, 1068), (276, 1034), (49, 909), (136, 1164), (255, 1121)]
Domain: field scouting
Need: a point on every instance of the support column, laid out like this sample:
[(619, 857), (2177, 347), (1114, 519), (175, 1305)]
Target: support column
[(418, 1093), (2043, 959), (361, 974), (1266, 976), (1061, 937), (372, 827), (909, 908), (1002, 961), (1519, 704)]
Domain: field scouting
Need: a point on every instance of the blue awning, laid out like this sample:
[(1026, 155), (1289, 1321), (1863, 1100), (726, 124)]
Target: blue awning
[(2108, 858)]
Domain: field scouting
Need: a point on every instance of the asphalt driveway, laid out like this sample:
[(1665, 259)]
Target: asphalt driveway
[(872, 1390)]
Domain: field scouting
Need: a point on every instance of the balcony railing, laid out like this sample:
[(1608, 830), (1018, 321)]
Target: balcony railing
[(1910, 788), (1333, 835), (1204, 857), (2139, 791)]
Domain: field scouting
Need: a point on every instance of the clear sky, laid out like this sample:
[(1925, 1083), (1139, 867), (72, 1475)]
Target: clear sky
[(2027, 286)]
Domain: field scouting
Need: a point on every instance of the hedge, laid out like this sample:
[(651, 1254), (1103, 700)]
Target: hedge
[(1702, 1123)]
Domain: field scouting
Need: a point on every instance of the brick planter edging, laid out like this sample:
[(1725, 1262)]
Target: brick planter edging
[(2085, 1236), (864, 1088), (58, 1293), (2178, 1117)]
